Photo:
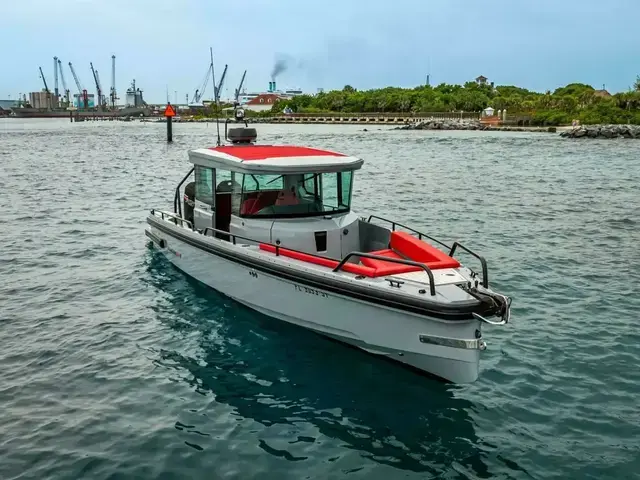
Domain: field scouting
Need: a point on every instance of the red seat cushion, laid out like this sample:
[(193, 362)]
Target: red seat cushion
[(422, 252), (387, 268), (325, 262), (256, 201), (248, 205)]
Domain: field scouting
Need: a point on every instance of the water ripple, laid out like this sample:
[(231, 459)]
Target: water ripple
[(115, 365)]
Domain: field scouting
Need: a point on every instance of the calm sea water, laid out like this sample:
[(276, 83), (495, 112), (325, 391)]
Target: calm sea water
[(113, 364)]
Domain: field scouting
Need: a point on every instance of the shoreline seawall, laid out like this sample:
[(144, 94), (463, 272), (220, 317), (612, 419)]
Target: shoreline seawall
[(400, 123)]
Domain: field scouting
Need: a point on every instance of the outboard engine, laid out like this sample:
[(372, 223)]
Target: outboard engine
[(189, 201)]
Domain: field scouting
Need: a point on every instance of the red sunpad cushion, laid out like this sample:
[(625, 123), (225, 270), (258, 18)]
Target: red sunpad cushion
[(387, 268), (422, 252)]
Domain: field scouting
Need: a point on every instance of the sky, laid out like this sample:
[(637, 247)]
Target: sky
[(164, 44)]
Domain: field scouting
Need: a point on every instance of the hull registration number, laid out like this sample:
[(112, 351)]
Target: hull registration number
[(311, 291)]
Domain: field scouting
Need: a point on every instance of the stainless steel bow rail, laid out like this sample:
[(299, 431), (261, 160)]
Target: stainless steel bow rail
[(176, 219), (483, 262), (452, 249)]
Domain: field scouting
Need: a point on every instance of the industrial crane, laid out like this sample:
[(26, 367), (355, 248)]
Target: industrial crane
[(237, 95), (103, 98), (197, 96), (64, 83), (98, 86), (82, 91), (238, 113), (218, 89), (46, 88)]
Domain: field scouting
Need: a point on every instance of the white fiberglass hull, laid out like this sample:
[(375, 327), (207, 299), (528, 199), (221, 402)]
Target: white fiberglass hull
[(419, 341)]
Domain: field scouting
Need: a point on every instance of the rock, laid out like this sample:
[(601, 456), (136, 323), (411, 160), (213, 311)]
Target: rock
[(607, 133), (439, 124), (603, 131)]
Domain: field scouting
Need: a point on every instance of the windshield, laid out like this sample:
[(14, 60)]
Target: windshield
[(296, 195)]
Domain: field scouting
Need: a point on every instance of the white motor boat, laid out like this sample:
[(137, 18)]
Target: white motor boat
[(271, 227)]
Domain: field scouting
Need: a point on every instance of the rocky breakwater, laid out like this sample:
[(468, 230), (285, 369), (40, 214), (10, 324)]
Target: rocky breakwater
[(603, 131), (468, 124), (437, 124)]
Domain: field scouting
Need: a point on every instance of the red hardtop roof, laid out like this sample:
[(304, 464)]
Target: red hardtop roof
[(264, 152)]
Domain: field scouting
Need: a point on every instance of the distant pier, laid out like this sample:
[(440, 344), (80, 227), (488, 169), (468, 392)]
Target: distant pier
[(343, 118), (368, 118)]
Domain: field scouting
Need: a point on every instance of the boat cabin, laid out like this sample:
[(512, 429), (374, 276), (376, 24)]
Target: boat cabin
[(295, 202), (299, 197)]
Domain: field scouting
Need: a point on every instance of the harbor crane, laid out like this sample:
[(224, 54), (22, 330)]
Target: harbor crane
[(238, 113), (236, 97), (103, 97), (46, 87), (197, 96), (218, 89), (98, 87), (82, 91), (64, 83), (199, 93)]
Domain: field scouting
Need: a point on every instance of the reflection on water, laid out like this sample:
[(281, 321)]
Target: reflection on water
[(276, 373)]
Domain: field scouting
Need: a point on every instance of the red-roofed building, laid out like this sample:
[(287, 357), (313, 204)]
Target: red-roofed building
[(262, 102)]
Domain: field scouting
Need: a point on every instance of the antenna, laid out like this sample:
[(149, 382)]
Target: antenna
[(213, 80)]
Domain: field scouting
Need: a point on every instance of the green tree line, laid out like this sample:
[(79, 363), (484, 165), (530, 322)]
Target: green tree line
[(574, 101)]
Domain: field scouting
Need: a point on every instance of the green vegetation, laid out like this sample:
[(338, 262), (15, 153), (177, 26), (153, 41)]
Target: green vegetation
[(575, 101)]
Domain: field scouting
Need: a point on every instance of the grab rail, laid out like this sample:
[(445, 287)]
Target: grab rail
[(483, 262), (452, 249), (420, 234), (175, 217), (432, 287), (234, 236), (177, 207)]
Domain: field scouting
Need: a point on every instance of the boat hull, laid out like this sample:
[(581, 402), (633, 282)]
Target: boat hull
[(446, 349)]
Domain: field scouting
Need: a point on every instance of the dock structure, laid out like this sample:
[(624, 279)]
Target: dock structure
[(370, 118)]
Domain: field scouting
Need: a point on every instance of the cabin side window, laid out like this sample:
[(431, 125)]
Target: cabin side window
[(204, 184), (295, 195), (345, 180), (336, 191)]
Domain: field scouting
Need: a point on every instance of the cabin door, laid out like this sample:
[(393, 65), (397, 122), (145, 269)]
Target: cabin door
[(203, 213)]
